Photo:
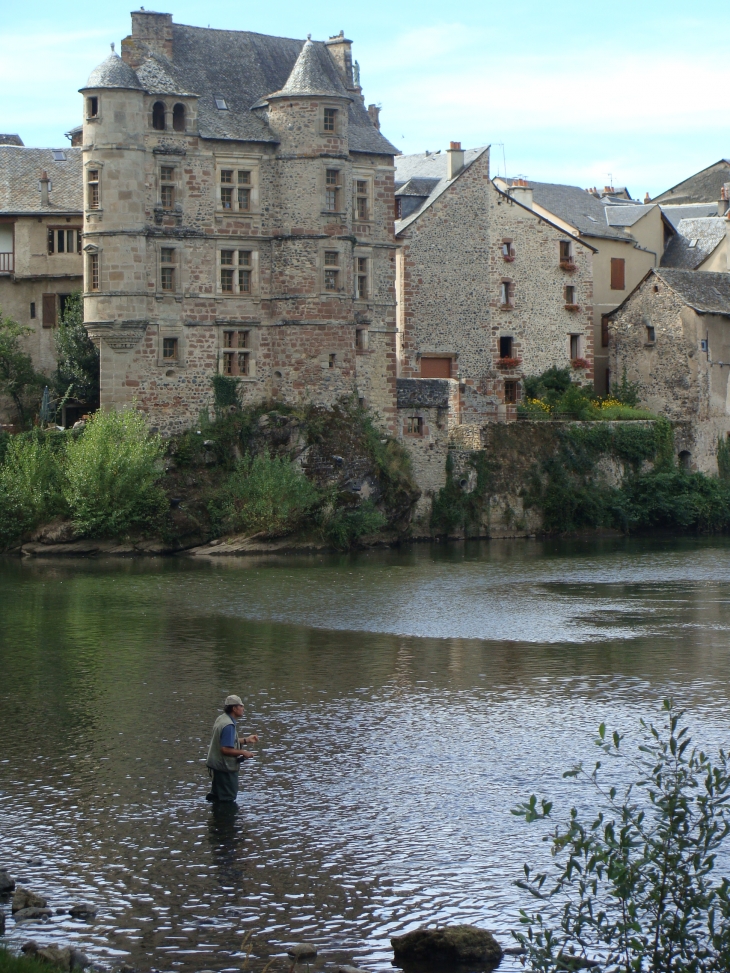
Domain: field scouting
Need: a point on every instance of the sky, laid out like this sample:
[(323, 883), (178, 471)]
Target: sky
[(628, 93)]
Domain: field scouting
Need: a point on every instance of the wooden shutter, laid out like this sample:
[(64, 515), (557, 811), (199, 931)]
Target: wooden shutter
[(604, 332), (618, 282), (435, 368), (49, 310)]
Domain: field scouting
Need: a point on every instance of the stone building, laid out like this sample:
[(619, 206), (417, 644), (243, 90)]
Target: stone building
[(672, 337), (41, 219), (238, 201), (488, 289)]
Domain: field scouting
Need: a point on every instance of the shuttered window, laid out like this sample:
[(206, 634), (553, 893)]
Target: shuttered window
[(604, 332), (435, 368), (49, 310), (618, 274)]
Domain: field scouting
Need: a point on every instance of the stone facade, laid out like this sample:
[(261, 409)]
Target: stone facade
[(40, 202), (220, 238), (672, 338), (483, 291)]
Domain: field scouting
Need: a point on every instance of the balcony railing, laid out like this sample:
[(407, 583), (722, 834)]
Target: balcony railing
[(6, 263)]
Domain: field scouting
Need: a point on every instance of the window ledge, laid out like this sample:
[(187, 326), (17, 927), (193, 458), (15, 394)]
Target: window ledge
[(506, 307)]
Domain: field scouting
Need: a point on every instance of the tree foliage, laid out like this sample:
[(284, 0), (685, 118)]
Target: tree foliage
[(634, 887), (18, 379), (77, 370)]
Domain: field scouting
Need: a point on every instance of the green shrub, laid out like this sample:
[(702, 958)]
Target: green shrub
[(625, 391), (633, 886), (77, 371), (10, 963), (111, 475), (30, 485), (723, 458), (263, 494), (343, 526), (226, 392)]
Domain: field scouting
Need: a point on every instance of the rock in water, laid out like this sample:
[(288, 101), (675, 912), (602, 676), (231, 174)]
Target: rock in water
[(7, 882), (25, 899), (64, 957), (302, 951), (349, 969), (2, 923), (448, 945), (33, 912), (82, 910)]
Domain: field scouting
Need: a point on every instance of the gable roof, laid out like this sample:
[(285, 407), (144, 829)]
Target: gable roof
[(705, 292), (688, 211), (694, 241), (424, 170), (627, 214), (21, 168), (577, 207), (704, 186), (245, 68)]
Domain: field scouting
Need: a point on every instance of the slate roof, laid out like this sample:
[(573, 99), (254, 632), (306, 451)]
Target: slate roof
[(113, 73), (689, 211), (10, 140), (417, 187), (576, 207), (313, 74), (245, 68), (705, 233), (706, 293), (427, 168), (20, 170), (626, 214), (703, 187)]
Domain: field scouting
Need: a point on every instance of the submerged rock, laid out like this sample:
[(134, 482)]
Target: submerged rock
[(25, 899), (446, 946), (32, 912), (349, 969), (302, 951), (7, 882)]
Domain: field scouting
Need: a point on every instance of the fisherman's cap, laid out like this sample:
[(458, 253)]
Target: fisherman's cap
[(233, 701)]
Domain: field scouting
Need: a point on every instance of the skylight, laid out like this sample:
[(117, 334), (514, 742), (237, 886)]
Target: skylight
[(59, 155), (592, 219), (692, 243), (220, 103)]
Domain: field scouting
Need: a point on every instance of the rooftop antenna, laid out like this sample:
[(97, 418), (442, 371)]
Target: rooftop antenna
[(504, 158)]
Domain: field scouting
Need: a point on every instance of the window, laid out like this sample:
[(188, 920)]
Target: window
[(236, 271), (618, 274), (398, 208), (92, 181), (331, 270), (220, 103), (331, 361), (92, 107), (64, 241), (50, 310), (361, 199), (361, 278), (244, 190), (59, 155), (506, 293), (650, 333), (93, 271), (330, 119), (32, 309), (169, 349), (167, 268), (508, 251), (569, 294), (566, 252), (510, 392), (574, 346), (604, 333), (235, 359), (167, 187), (505, 347), (226, 188), (414, 426), (361, 339), (178, 118), (332, 190), (158, 116)]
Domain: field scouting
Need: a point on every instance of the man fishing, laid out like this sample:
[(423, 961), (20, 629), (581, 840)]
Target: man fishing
[(225, 752)]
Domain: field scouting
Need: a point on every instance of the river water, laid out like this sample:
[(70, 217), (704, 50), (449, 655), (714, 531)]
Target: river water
[(406, 700)]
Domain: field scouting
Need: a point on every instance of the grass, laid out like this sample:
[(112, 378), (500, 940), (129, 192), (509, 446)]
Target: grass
[(10, 963)]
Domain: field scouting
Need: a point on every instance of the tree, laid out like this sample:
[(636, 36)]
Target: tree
[(77, 371), (18, 379), (635, 888)]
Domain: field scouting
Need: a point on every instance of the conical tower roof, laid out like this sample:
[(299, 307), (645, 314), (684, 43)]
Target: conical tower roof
[(314, 73), (113, 73)]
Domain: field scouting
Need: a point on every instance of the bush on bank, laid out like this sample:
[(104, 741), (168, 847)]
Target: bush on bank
[(554, 394), (10, 963)]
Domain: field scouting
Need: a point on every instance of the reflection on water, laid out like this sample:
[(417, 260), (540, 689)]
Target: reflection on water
[(406, 700)]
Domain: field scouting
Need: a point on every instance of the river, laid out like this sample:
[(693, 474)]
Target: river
[(406, 700)]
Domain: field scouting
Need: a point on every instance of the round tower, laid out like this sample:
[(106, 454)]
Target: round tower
[(114, 212)]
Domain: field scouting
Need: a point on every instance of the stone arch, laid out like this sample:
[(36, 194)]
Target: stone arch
[(685, 459), (158, 116), (178, 117)]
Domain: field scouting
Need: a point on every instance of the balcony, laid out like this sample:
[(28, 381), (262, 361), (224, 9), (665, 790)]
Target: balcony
[(7, 263)]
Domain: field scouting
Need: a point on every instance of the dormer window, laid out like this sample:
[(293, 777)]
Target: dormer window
[(92, 107), (158, 116), (220, 103), (178, 118), (330, 120)]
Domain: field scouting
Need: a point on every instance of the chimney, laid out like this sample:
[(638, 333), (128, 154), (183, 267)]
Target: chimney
[(149, 30), (374, 113), (44, 184), (522, 192), (341, 50), (647, 199), (454, 160), (722, 203)]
